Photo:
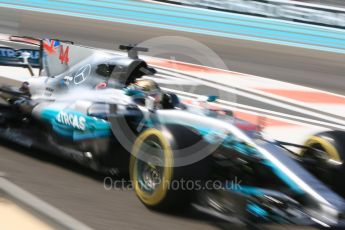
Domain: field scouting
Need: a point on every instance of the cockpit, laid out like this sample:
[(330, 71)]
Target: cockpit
[(121, 72)]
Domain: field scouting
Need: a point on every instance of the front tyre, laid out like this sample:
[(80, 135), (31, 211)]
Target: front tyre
[(329, 167), (149, 178), (152, 168)]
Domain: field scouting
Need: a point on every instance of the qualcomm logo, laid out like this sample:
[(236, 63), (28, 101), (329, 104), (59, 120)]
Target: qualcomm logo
[(75, 121)]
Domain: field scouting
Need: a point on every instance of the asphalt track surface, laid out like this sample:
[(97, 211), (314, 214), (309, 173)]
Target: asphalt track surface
[(81, 193)]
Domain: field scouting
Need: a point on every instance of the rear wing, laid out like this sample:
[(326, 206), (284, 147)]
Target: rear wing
[(56, 58), (20, 51), (50, 55)]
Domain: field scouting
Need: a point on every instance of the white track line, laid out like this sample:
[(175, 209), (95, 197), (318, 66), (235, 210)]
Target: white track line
[(267, 113), (267, 94), (264, 111), (42, 207), (239, 74), (262, 99)]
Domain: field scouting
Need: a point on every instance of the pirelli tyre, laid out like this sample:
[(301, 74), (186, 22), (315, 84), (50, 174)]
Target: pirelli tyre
[(153, 177), (329, 167)]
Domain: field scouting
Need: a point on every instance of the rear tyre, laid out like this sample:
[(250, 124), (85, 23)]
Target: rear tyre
[(156, 181)]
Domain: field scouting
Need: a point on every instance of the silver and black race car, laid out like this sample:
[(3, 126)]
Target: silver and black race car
[(96, 108)]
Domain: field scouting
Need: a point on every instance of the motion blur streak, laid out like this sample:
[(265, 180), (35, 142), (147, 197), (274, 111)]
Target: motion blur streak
[(194, 20), (120, 209), (301, 66)]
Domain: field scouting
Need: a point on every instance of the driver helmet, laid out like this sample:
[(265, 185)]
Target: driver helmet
[(147, 87)]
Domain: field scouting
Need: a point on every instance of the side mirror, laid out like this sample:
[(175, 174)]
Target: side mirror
[(207, 98), (212, 98)]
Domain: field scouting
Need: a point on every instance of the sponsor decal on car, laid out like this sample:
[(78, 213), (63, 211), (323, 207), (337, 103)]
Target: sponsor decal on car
[(64, 58), (10, 56), (73, 120), (82, 74), (54, 47), (50, 46), (7, 52), (75, 125)]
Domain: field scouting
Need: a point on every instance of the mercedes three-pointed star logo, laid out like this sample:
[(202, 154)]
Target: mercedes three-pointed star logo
[(82, 74)]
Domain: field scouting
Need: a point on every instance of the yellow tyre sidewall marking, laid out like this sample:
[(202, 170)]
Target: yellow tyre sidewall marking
[(157, 196), (331, 151)]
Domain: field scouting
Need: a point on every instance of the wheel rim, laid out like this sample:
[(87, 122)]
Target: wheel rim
[(151, 177), (149, 173)]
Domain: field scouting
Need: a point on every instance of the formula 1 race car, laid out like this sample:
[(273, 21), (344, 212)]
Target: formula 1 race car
[(98, 109)]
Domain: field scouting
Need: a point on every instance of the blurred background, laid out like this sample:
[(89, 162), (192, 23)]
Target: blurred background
[(300, 42)]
